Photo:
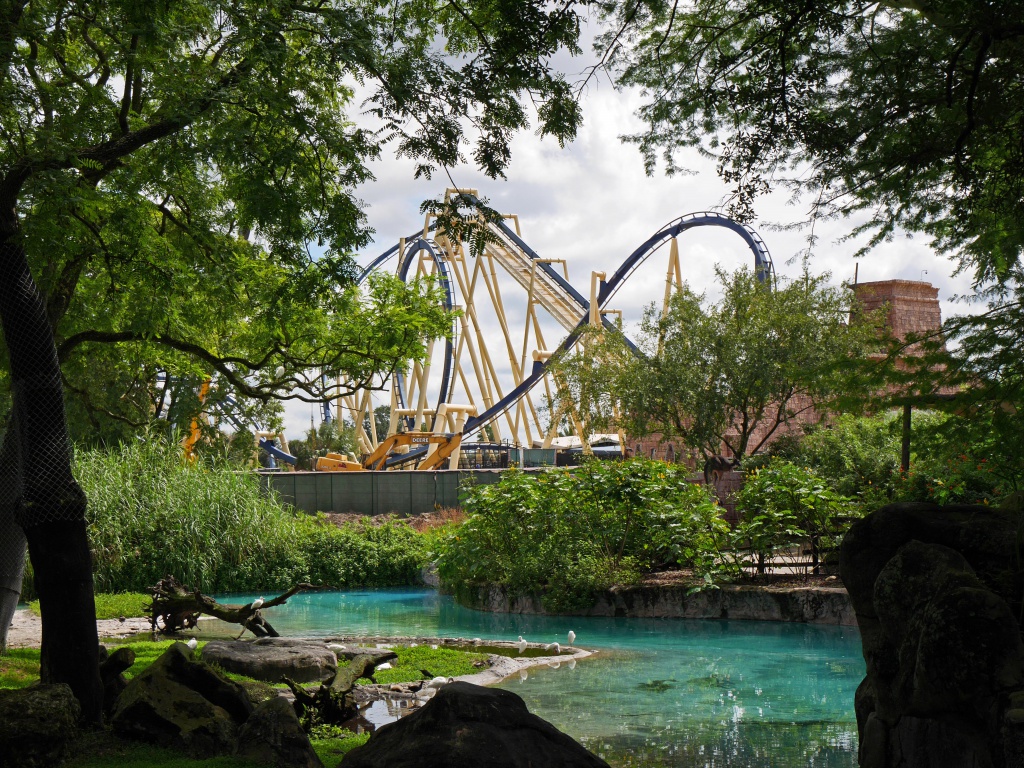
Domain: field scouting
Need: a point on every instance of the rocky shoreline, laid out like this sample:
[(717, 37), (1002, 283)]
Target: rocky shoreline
[(805, 604)]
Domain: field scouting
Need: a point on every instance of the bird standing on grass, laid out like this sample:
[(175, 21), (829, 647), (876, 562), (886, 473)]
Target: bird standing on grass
[(521, 644), (192, 644)]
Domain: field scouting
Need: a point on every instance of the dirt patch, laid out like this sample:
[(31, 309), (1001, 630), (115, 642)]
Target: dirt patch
[(421, 522)]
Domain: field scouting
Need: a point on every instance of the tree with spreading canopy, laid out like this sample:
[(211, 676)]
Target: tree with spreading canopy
[(164, 163), (905, 116), (721, 374), (908, 112)]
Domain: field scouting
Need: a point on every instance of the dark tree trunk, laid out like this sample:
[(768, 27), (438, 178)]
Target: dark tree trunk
[(49, 506), (12, 538)]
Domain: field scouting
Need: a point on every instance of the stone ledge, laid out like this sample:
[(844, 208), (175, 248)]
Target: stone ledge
[(812, 605)]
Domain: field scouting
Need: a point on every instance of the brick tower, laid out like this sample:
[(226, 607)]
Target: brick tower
[(913, 306)]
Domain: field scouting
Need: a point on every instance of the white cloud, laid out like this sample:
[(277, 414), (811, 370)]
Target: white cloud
[(592, 204)]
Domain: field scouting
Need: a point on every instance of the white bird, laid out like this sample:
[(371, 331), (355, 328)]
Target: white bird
[(437, 682), (257, 603), (385, 665), (557, 648), (572, 637), (192, 644), (521, 644)]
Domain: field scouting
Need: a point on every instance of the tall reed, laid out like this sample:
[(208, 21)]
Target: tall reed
[(151, 514)]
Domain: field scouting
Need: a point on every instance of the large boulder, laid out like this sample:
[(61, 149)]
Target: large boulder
[(182, 704), (37, 725), (937, 592), (272, 658), (273, 735), (468, 726)]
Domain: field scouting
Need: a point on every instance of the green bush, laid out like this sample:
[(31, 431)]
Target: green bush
[(567, 534), (151, 514), (858, 456), (782, 504)]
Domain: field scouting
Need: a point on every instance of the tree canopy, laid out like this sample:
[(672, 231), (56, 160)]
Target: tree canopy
[(187, 153), (172, 163), (910, 112), (723, 374)]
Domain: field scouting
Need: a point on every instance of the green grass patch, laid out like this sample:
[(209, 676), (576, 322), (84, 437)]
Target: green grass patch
[(340, 742), (113, 606), (104, 750), (445, 662), (19, 667)]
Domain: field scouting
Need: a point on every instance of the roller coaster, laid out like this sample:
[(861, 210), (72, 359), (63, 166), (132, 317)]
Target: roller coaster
[(433, 412)]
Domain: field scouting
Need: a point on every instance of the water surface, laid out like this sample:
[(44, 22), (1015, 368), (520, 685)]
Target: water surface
[(676, 693)]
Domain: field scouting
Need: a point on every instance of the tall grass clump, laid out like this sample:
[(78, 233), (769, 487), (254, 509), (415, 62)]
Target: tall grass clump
[(151, 514)]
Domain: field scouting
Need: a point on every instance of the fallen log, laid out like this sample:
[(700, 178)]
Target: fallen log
[(175, 607), (333, 703)]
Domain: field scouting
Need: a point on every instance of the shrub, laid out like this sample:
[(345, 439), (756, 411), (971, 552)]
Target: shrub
[(567, 534), (858, 456), (782, 504)]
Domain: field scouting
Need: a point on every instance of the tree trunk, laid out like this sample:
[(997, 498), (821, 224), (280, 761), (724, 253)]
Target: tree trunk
[(12, 538), (49, 505)]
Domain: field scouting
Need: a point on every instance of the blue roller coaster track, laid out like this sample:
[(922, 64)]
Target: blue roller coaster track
[(416, 243)]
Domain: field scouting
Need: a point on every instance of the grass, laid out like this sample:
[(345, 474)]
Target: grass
[(103, 750), (19, 668), (443, 662), (113, 606)]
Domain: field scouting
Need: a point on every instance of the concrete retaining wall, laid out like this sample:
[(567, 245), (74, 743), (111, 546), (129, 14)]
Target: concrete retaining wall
[(373, 493), (813, 605)]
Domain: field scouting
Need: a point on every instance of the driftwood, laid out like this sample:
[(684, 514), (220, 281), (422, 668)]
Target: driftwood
[(333, 703), (175, 607)]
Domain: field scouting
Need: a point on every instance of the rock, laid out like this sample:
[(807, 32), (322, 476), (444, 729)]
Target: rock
[(937, 591), (182, 704), (467, 726), (429, 576), (112, 668), (37, 725), (273, 735), (272, 658)]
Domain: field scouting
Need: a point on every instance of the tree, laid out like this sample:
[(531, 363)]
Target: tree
[(132, 133), (908, 111), (729, 374)]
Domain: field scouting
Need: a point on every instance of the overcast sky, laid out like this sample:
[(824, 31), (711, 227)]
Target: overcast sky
[(592, 204)]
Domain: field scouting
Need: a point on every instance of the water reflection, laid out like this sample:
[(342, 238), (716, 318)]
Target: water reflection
[(661, 692)]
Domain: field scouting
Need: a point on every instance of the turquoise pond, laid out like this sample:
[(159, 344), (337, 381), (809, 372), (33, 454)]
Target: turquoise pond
[(660, 692)]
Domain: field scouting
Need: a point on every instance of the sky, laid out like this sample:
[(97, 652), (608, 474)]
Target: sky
[(592, 204)]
